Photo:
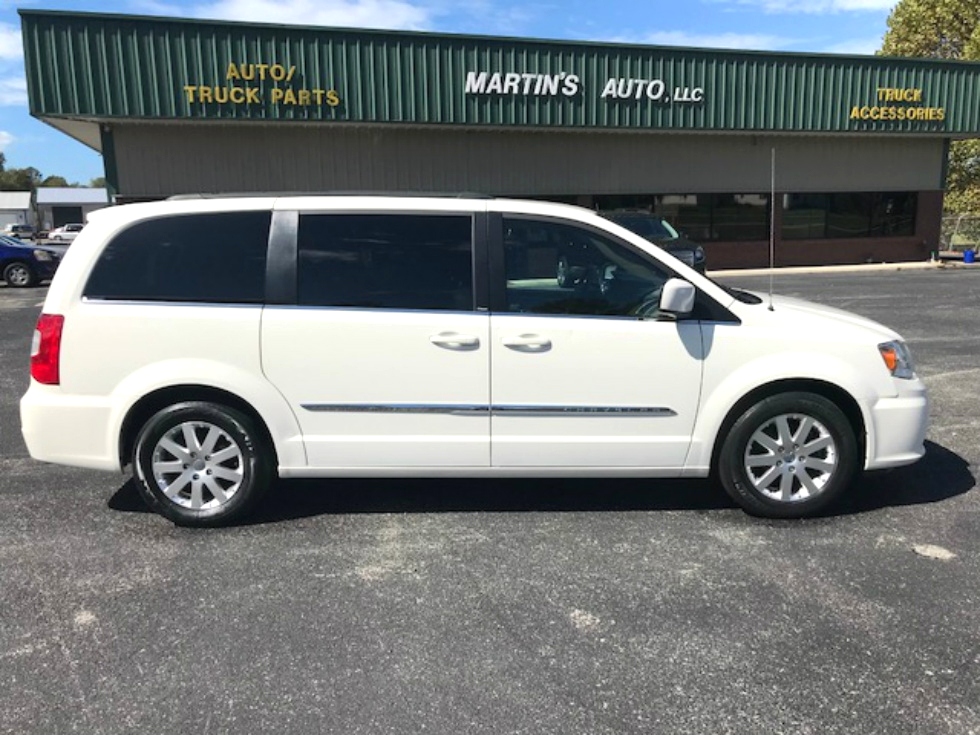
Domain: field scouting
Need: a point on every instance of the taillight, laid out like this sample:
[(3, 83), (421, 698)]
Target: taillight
[(46, 349)]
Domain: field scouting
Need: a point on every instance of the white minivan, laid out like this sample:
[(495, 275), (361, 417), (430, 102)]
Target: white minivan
[(214, 344)]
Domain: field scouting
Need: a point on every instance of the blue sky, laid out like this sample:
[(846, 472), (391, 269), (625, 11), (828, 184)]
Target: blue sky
[(830, 26)]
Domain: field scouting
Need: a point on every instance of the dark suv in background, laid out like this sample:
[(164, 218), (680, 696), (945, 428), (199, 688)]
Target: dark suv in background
[(657, 230)]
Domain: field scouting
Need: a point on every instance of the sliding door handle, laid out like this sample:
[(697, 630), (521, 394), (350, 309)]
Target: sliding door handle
[(454, 341), (528, 343)]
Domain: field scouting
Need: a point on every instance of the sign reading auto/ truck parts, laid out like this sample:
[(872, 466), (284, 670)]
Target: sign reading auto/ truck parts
[(247, 84)]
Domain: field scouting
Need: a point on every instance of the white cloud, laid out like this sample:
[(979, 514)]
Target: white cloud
[(745, 41), (13, 92), (5, 139), (862, 46), (394, 14), (11, 47), (815, 7)]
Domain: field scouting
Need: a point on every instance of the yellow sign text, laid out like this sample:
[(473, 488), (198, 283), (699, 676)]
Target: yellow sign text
[(916, 114)]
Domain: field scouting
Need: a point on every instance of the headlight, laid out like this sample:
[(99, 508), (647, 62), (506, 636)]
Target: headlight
[(897, 359), (42, 255)]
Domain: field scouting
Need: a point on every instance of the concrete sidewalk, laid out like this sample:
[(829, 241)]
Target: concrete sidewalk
[(854, 268)]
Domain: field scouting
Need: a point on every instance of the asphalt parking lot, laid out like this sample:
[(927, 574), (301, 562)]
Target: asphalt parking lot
[(510, 607)]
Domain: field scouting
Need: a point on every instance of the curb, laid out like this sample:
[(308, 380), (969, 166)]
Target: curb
[(857, 268)]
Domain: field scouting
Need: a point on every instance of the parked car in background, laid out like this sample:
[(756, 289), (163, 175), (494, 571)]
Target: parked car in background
[(657, 230), (65, 232), (21, 232), (23, 265)]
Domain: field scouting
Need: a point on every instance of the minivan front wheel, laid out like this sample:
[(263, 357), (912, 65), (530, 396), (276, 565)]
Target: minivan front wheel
[(19, 275), (201, 464), (788, 456)]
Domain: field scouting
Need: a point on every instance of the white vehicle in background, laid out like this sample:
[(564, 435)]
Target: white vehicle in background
[(213, 344), (65, 233)]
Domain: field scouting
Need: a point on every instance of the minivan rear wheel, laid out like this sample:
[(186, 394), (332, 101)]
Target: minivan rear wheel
[(788, 456), (201, 464)]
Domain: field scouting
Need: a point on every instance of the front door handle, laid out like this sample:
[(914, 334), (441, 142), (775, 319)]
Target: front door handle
[(528, 343), (454, 341)]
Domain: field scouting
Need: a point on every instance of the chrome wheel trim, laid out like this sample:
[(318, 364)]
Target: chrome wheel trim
[(18, 275), (791, 458), (198, 465)]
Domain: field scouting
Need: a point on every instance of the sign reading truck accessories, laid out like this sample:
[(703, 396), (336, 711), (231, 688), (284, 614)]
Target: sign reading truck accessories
[(898, 104)]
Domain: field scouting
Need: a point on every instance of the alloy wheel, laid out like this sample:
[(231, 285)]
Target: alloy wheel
[(198, 465), (791, 457)]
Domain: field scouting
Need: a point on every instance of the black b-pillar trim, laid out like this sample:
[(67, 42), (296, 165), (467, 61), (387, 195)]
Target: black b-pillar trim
[(280, 269)]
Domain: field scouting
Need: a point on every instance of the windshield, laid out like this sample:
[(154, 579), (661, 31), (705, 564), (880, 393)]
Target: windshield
[(646, 225)]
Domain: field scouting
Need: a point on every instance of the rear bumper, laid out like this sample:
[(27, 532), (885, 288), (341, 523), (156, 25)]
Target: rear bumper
[(899, 428), (70, 430)]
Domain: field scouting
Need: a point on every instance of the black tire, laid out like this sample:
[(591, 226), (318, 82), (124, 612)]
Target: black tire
[(239, 451), (800, 480), (19, 275)]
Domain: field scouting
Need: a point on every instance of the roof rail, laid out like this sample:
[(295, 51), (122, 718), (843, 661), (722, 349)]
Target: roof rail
[(427, 194)]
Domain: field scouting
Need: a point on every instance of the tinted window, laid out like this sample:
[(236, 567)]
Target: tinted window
[(386, 261), (554, 268), (804, 216), (849, 214), (740, 216), (199, 257), (893, 214)]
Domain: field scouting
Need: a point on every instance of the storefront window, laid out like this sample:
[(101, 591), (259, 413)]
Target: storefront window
[(848, 215), (893, 214), (614, 202), (740, 216), (688, 213), (701, 217), (804, 216)]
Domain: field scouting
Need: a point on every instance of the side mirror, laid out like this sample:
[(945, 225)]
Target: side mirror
[(677, 297)]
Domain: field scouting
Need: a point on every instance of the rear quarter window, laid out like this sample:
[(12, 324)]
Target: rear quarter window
[(210, 258)]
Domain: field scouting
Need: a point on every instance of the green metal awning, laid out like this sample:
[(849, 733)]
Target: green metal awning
[(87, 68)]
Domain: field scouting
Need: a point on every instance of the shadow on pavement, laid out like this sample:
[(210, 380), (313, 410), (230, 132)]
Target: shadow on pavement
[(941, 474)]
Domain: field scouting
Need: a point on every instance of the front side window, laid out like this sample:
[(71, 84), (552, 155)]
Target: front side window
[(557, 268), (204, 258), (386, 261)]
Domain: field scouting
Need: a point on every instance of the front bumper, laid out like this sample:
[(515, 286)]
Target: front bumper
[(898, 428)]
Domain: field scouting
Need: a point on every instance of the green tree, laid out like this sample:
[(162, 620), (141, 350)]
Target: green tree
[(19, 179), (943, 29), (54, 181), (935, 29), (97, 183)]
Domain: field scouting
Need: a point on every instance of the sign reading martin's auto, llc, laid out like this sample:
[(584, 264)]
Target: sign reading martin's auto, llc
[(524, 84)]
